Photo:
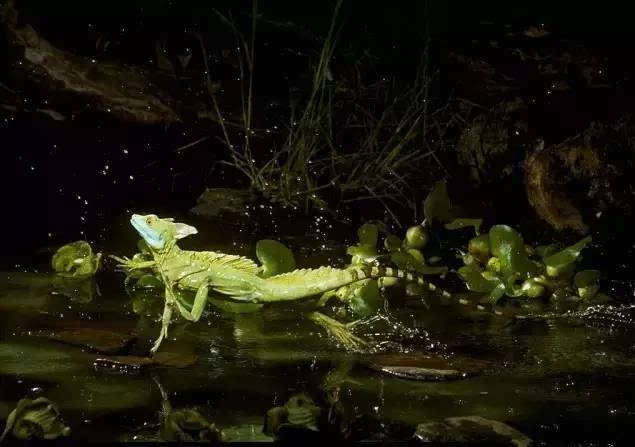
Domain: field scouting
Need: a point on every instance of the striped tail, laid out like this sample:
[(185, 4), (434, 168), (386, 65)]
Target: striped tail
[(360, 272)]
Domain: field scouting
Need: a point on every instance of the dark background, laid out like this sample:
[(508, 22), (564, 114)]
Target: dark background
[(51, 171)]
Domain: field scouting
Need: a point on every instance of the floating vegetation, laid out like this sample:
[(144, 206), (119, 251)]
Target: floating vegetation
[(76, 259), (275, 258), (185, 424), (499, 264), (35, 419), (300, 413)]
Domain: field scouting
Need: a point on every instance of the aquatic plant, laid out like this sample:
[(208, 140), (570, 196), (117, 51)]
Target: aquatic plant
[(364, 298), (185, 424), (346, 140), (76, 259), (35, 419), (500, 264), (299, 413), (275, 258)]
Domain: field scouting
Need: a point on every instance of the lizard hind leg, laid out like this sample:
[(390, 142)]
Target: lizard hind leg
[(200, 301), (165, 324), (338, 330)]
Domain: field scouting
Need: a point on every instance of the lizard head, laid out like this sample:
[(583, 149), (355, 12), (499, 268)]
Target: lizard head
[(157, 232)]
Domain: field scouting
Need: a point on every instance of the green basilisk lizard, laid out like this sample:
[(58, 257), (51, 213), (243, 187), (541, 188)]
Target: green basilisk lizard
[(238, 277)]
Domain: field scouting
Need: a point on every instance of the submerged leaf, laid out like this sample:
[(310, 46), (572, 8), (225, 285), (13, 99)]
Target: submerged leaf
[(35, 419), (275, 258), (76, 259), (562, 261)]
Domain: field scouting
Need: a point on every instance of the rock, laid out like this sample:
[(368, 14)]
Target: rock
[(471, 429), (590, 173), (545, 196)]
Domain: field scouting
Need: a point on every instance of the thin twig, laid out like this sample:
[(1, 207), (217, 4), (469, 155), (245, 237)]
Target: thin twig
[(193, 143)]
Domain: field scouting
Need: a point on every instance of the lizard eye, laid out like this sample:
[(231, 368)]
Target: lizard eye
[(148, 221)]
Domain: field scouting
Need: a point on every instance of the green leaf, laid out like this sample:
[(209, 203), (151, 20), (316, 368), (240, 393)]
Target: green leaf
[(545, 251), (437, 206), (493, 264), (417, 255), (475, 280), (275, 258), (465, 222), (507, 245), (496, 294), (587, 283), (76, 259), (366, 299), (149, 281), (365, 253), (392, 243), (368, 234), (513, 285), (416, 237), (533, 289), (479, 247), (403, 260), (562, 261)]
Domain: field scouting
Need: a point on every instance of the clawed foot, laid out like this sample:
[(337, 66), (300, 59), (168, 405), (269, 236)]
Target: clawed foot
[(126, 264), (339, 330), (157, 343)]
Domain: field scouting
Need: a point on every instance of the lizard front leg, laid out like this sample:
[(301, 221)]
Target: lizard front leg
[(128, 264)]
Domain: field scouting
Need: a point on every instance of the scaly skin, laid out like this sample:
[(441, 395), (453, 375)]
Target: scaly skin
[(237, 277)]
